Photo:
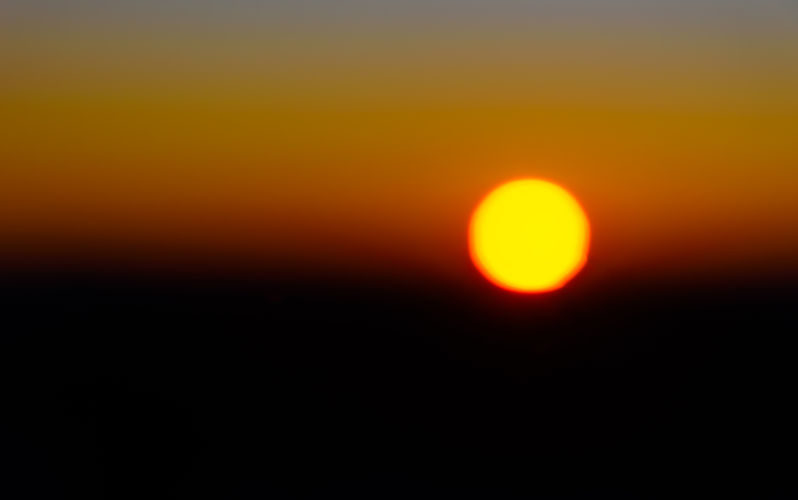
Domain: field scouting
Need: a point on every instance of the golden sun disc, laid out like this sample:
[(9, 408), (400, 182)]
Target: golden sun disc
[(529, 236)]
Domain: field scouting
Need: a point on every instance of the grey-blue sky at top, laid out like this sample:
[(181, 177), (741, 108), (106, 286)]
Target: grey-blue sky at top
[(708, 13)]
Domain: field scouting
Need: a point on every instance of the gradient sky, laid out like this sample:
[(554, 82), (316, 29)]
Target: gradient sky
[(360, 135)]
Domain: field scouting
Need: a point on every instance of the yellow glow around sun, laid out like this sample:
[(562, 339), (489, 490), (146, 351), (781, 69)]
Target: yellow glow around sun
[(529, 235)]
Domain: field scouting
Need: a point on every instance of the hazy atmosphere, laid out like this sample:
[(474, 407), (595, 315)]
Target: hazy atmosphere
[(398, 249)]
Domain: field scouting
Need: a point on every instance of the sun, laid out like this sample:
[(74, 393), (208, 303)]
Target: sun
[(529, 236)]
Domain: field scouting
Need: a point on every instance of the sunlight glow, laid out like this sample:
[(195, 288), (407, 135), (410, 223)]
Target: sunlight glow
[(529, 235)]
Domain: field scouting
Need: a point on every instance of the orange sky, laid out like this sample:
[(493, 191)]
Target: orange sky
[(365, 147)]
